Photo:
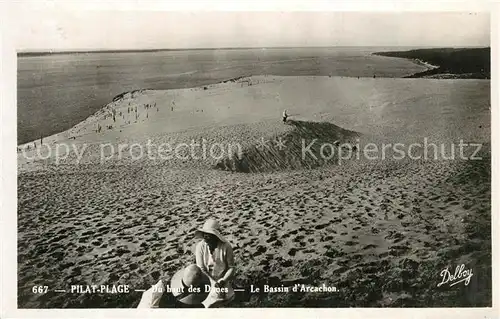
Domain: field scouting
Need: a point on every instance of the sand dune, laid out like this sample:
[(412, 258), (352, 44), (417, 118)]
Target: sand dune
[(378, 230), (285, 150)]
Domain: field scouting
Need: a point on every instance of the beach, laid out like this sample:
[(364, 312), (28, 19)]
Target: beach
[(380, 229)]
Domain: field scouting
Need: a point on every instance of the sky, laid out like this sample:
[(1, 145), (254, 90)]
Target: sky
[(73, 29)]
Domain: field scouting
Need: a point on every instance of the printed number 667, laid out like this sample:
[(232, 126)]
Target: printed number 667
[(40, 289)]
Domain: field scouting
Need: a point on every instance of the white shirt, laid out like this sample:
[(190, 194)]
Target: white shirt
[(216, 265)]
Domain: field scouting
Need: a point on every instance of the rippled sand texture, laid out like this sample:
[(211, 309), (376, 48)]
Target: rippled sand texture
[(380, 231)]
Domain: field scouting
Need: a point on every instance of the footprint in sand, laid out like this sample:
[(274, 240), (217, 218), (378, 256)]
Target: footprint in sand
[(120, 251), (260, 250), (333, 253), (292, 252), (427, 244), (278, 243), (273, 237), (356, 257), (398, 250), (383, 255), (87, 233), (133, 266), (264, 262), (327, 238), (397, 236), (76, 271), (321, 226)]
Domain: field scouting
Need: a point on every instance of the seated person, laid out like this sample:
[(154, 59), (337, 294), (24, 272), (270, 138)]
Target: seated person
[(214, 256)]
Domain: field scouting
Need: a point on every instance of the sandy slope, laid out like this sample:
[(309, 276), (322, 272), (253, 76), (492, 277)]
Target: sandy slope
[(381, 231)]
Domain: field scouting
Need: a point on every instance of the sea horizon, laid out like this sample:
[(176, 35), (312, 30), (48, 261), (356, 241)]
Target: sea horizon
[(41, 52)]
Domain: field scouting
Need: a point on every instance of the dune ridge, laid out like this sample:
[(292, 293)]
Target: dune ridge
[(286, 150)]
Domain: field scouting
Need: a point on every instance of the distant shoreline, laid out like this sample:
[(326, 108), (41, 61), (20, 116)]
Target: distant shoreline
[(447, 63), (50, 52), (42, 53)]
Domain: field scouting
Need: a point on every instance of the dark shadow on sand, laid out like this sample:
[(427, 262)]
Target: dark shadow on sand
[(308, 145)]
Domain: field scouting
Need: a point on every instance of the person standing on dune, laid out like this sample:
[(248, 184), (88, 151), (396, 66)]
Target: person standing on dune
[(285, 116)]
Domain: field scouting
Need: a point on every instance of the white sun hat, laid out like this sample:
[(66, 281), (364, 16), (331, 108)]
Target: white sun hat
[(211, 226)]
